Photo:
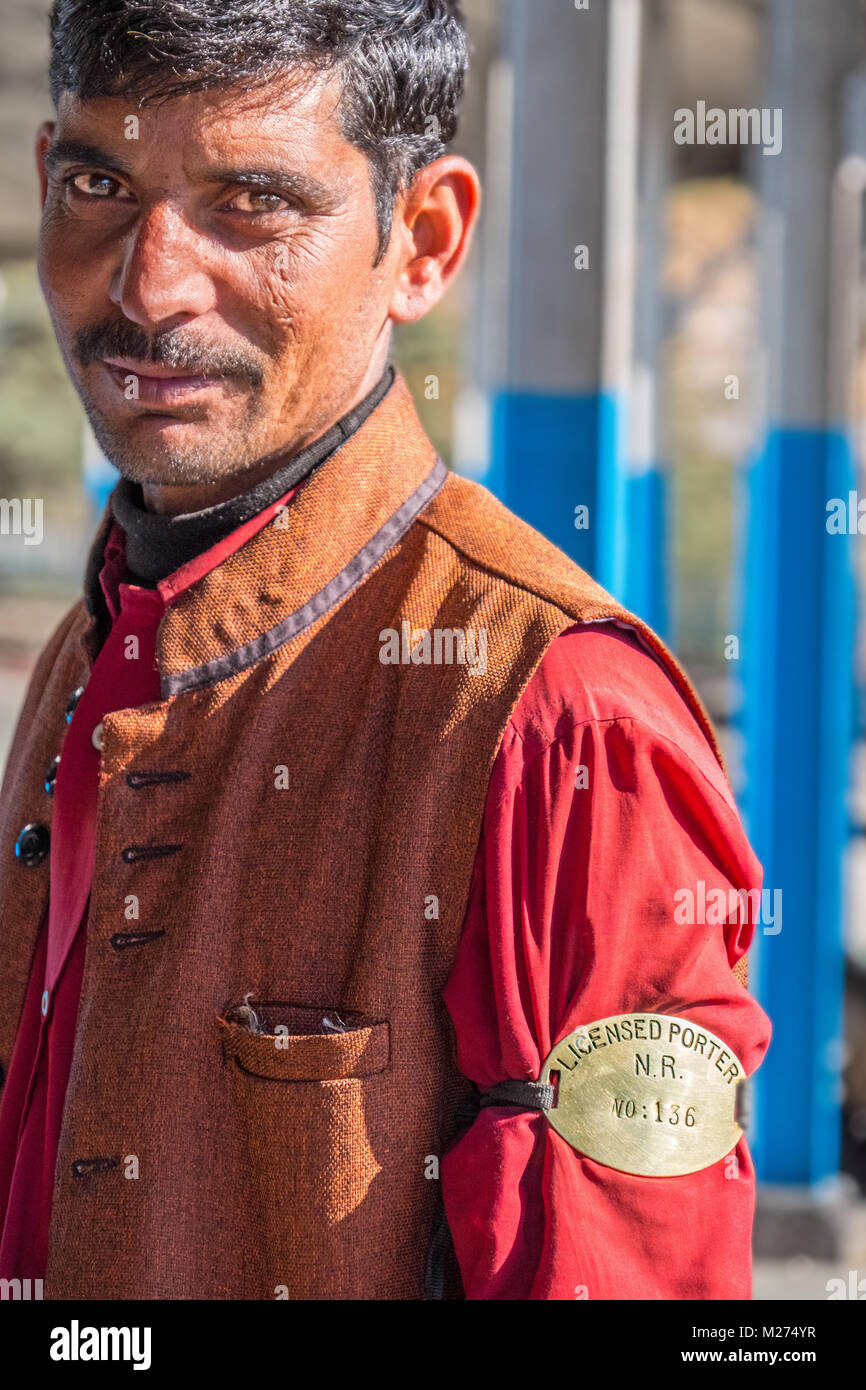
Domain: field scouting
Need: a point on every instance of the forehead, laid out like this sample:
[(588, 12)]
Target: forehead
[(295, 117)]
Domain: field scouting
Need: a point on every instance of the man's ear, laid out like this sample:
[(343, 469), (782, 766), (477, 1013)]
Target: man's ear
[(44, 136), (433, 229)]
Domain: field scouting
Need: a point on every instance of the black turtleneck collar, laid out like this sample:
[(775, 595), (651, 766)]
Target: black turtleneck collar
[(157, 545)]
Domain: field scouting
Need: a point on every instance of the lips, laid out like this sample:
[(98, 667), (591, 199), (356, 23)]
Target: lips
[(156, 385)]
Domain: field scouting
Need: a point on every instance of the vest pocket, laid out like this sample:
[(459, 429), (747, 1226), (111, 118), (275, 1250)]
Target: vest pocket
[(302, 1044), (312, 1138)]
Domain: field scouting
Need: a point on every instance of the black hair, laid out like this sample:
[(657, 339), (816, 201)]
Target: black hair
[(403, 64)]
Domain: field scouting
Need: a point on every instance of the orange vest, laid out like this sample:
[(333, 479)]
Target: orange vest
[(332, 791)]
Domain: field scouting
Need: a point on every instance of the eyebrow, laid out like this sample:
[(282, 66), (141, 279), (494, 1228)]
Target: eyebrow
[(304, 185), (74, 152), (292, 181)]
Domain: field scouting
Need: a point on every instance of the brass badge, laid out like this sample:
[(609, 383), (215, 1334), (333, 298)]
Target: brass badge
[(652, 1094)]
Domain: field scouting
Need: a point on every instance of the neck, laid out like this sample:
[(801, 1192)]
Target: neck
[(181, 501)]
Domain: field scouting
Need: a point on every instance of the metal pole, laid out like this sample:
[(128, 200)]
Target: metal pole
[(560, 337), (799, 624)]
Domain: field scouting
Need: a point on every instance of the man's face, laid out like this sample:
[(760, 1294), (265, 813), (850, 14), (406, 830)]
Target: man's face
[(232, 241)]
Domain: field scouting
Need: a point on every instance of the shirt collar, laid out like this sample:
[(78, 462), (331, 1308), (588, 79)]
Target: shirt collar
[(115, 567)]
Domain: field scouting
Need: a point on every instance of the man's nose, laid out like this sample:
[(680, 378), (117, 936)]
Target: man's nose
[(163, 275)]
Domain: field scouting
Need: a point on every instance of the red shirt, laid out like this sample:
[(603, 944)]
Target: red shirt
[(570, 919)]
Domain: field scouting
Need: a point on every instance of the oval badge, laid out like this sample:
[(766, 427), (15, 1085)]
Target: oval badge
[(652, 1094)]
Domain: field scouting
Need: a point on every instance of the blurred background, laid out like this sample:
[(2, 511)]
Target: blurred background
[(658, 357)]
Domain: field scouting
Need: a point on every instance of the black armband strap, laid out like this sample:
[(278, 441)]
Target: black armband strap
[(528, 1095)]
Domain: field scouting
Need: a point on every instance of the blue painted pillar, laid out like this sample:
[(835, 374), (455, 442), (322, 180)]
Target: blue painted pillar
[(98, 474), (561, 276), (799, 603)]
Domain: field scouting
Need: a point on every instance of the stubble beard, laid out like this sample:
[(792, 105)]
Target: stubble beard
[(159, 463)]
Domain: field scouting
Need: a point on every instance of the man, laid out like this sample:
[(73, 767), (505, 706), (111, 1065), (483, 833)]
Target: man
[(350, 817)]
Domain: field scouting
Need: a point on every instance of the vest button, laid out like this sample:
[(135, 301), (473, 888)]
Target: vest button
[(72, 702), (51, 775), (96, 736), (31, 847)]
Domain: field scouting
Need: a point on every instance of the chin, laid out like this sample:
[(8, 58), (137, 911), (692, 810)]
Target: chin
[(161, 461)]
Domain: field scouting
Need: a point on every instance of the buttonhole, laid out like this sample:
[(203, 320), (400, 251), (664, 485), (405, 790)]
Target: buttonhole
[(124, 939), (133, 853), (83, 1167), (137, 780)]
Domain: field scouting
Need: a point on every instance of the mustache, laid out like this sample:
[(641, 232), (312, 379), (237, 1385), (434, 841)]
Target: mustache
[(169, 349)]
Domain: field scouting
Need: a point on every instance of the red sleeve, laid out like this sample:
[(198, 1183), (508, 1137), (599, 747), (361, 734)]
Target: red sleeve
[(572, 919)]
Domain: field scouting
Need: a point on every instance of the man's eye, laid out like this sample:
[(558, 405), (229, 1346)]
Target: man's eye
[(255, 201), (95, 185)]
